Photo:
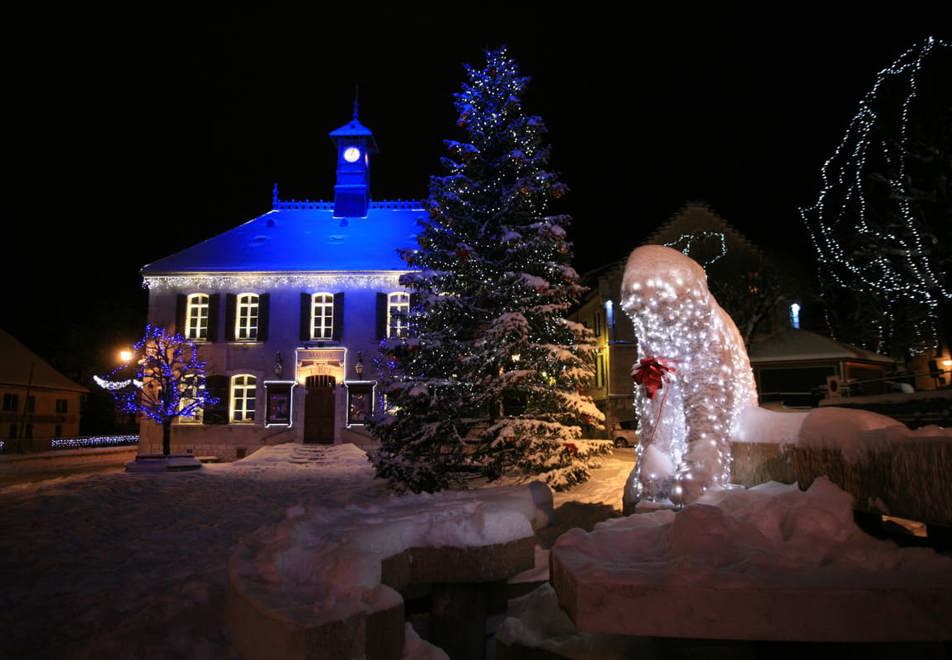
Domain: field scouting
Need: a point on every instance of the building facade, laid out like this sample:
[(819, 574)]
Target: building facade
[(288, 311), (611, 389), (37, 403)]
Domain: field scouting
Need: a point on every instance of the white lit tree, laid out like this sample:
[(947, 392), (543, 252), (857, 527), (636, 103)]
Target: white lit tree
[(492, 380), (881, 223), (169, 381)]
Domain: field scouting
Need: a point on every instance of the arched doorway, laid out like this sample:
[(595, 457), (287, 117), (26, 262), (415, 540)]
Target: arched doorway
[(319, 409)]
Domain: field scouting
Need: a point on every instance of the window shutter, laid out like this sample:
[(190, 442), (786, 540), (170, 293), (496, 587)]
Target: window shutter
[(264, 316), (216, 386), (231, 311), (214, 307), (306, 321), (338, 316), (381, 316), (181, 302)]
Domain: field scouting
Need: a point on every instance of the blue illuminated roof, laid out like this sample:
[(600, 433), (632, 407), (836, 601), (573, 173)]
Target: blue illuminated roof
[(352, 128), (304, 236)]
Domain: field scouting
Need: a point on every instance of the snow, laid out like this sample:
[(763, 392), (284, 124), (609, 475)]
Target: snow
[(799, 551), (418, 649), (134, 565), (306, 239), (852, 432), (755, 424), (536, 621)]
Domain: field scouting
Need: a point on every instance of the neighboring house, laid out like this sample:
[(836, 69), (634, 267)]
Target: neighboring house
[(599, 311), (38, 402), (792, 367), (288, 310)]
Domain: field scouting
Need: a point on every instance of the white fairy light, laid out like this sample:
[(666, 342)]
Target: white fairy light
[(685, 442), (906, 272)]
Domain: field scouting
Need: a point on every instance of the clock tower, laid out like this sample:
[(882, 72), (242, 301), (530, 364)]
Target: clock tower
[(354, 143)]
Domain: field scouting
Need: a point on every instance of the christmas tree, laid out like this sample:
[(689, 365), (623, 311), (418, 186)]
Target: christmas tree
[(491, 381)]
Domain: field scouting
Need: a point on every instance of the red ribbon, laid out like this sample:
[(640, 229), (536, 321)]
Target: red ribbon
[(651, 372)]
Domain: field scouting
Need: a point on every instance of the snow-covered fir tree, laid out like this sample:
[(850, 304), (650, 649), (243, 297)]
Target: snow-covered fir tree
[(491, 382)]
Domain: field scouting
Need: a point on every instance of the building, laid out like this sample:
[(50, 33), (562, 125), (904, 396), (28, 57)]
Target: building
[(616, 349), (796, 367), (38, 402), (288, 310)]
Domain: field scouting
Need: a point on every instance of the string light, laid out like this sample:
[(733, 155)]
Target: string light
[(676, 318), (272, 280), (492, 282), (169, 380), (689, 239), (899, 269), (94, 441)]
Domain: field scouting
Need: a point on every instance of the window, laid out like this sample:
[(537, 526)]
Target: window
[(600, 370), (322, 316), (189, 394), (13, 431), (28, 432), (58, 431), (598, 324), (196, 317), (11, 402), (243, 399), (398, 309), (246, 318), (62, 406), (30, 404)]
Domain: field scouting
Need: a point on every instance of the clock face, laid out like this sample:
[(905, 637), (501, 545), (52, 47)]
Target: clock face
[(351, 154)]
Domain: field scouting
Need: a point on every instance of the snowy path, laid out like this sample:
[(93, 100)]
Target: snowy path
[(133, 566)]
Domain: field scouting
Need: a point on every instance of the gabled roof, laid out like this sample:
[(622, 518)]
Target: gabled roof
[(17, 361), (353, 128), (305, 236), (696, 217), (796, 345)]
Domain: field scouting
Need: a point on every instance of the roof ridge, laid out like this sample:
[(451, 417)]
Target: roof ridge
[(324, 205)]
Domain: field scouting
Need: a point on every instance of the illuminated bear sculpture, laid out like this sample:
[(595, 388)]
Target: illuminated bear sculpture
[(686, 426)]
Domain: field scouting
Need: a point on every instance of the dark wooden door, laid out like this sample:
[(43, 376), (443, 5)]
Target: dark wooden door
[(319, 410)]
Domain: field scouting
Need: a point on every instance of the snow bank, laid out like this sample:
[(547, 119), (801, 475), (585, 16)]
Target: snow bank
[(536, 621), (755, 424), (771, 562), (329, 560), (853, 432)]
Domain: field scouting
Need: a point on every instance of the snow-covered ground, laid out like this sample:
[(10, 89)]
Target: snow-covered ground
[(134, 565)]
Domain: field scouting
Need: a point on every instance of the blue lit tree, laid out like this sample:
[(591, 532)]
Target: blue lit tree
[(492, 380), (169, 381)]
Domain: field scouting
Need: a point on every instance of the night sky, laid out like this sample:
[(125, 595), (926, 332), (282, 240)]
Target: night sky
[(136, 135)]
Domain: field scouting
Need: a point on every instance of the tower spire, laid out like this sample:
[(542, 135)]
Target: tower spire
[(356, 100)]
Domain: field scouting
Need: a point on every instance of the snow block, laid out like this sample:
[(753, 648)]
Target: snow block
[(769, 563), (910, 480), (759, 462), (323, 583)]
